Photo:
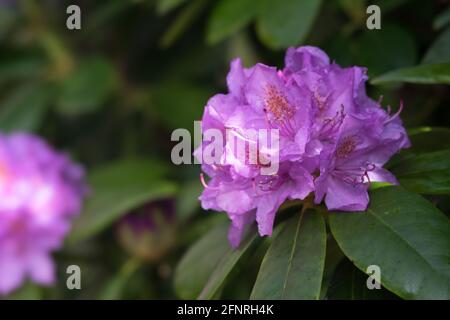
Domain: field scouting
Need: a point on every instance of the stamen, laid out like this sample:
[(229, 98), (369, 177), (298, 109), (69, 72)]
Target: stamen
[(278, 105), (354, 175), (281, 110), (202, 180), (400, 109)]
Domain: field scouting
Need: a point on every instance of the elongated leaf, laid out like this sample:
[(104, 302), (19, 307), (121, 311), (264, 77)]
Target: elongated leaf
[(423, 74), (17, 65), (439, 52), (403, 234), (427, 139), (350, 283), (25, 108), (114, 288), (88, 87), (393, 47), (294, 264), (228, 17), (164, 6), (116, 190), (199, 262), (182, 22), (225, 266), (333, 258), (442, 20), (285, 23), (427, 173)]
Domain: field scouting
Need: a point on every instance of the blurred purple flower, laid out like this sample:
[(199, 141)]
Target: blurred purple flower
[(334, 139), (40, 192), (149, 231)]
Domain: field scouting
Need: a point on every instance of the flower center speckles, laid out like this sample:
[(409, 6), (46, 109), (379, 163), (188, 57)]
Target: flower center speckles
[(282, 112), (346, 146), (278, 105)]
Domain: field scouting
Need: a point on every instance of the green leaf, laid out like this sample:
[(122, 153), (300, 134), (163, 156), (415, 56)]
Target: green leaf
[(285, 23), (403, 234), (182, 22), (427, 173), (333, 257), (88, 87), (388, 5), (28, 291), (442, 20), (199, 262), (117, 189), (16, 65), (187, 200), (422, 74), (24, 108), (427, 139), (349, 283), (164, 6), (390, 48), (203, 269), (439, 52), (228, 17), (293, 265), (114, 288), (181, 109), (226, 265)]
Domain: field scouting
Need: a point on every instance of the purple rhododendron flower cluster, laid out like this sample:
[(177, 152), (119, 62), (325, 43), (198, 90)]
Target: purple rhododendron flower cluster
[(334, 139), (40, 192)]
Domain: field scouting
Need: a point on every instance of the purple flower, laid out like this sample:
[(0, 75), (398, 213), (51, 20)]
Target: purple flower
[(333, 139), (40, 192)]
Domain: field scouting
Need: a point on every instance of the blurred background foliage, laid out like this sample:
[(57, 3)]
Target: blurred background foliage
[(111, 93)]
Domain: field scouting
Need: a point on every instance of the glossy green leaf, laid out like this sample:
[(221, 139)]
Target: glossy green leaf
[(88, 87), (293, 265), (422, 74), (439, 52), (228, 17), (390, 48), (225, 265), (403, 234), (117, 189), (333, 258), (350, 283), (200, 261), (427, 139), (24, 109), (427, 173), (285, 23)]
